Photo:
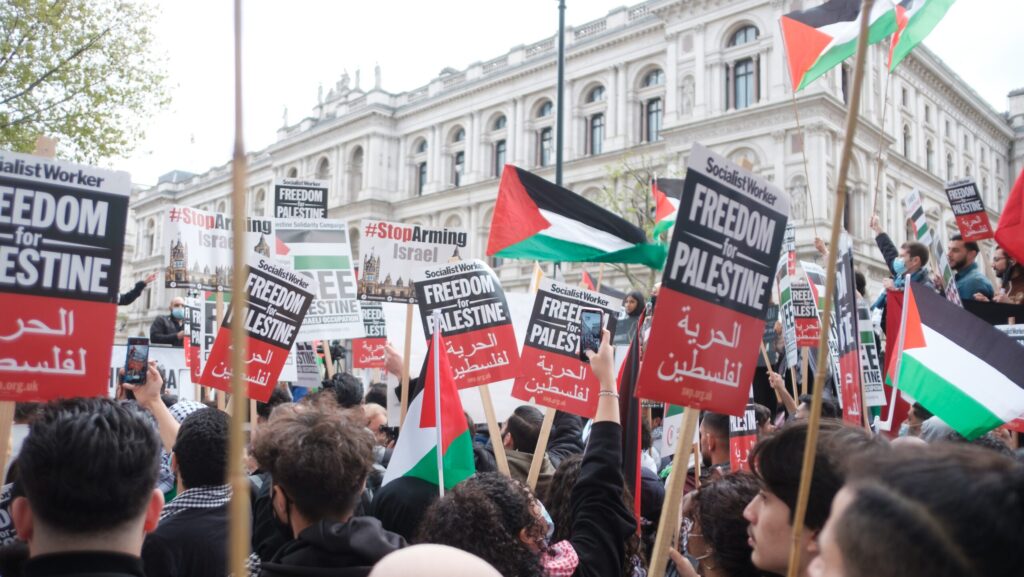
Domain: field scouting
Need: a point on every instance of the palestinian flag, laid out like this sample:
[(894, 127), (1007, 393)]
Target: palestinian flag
[(914, 206), (963, 370), (915, 19), (415, 454), (819, 38), (587, 282), (534, 219), (667, 193), (324, 249), (1010, 232)]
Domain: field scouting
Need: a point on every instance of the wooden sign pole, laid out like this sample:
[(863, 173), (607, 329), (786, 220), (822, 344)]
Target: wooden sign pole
[(220, 319), (542, 447), (406, 352), (673, 495), (492, 428), (805, 366)]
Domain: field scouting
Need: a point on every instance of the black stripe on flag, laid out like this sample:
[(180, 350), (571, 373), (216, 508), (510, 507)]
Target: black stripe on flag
[(670, 187), (830, 12), (918, 214)]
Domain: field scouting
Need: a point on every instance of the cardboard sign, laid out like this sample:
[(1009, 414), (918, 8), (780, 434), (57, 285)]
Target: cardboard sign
[(199, 252), (177, 376), (194, 337), (300, 198), (805, 314), (969, 210), (552, 374), (914, 208), (278, 299), (709, 317), (61, 243), (771, 316), (939, 253), (391, 251), (847, 334), (475, 320), (870, 363), (307, 371), (320, 250), (816, 279), (368, 353), (785, 273), (742, 438)]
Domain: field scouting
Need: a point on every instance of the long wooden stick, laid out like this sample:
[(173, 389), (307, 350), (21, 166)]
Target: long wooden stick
[(541, 449), (219, 395), (495, 432), (240, 535), (814, 420), (673, 494), (881, 147), (406, 351), (805, 367), (768, 367)]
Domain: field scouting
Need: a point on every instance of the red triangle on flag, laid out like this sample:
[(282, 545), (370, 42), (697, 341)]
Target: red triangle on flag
[(281, 248), (453, 421), (587, 282), (1010, 233), (804, 45), (516, 217)]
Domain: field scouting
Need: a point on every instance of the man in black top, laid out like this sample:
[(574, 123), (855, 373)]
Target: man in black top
[(131, 296), (88, 472), (191, 538), (170, 330)]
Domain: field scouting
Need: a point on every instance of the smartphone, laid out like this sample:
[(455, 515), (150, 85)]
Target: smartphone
[(136, 361), (591, 323)]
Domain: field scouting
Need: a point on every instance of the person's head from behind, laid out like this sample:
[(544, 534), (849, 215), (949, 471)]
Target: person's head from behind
[(493, 517), (716, 532), (934, 511), (347, 390), (88, 470), (278, 396), (861, 282), (522, 429), (914, 256), (961, 254), (319, 460), (776, 461), (177, 308), (714, 439), (432, 561), (829, 408), (200, 454), (377, 394)]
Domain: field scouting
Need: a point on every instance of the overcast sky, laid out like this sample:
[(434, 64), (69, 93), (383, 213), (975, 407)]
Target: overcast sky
[(290, 48)]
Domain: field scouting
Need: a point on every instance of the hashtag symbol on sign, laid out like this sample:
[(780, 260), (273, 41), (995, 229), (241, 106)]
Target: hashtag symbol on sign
[(371, 229), (175, 214)]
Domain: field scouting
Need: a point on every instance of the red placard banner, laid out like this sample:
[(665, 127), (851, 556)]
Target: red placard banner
[(969, 210), (368, 353)]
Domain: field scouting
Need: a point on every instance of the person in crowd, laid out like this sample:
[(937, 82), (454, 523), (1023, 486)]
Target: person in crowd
[(347, 388), (714, 446), (401, 504), (377, 394), (935, 511), (319, 460), (267, 534), (778, 383), (502, 522), (131, 296), (969, 278), (170, 330), (433, 561), (916, 416), (519, 436), (376, 420), (632, 307), (191, 538), (829, 408), (763, 418), (776, 461), (714, 531), (88, 472), (911, 258), (1011, 279)]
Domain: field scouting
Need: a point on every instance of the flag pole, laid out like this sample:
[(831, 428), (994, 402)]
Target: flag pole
[(437, 402), (560, 96), (814, 420), (240, 535)]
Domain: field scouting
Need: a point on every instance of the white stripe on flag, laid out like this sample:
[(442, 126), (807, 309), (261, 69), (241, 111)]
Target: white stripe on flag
[(576, 232)]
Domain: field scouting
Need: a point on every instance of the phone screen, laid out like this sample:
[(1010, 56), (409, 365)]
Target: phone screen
[(590, 331), (136, 361)]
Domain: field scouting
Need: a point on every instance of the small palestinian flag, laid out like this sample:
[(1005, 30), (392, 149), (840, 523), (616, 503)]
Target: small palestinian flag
[(819, 38), (667, 192), (960, 368), (587, 282), (535, 219), (915, 208), (415, 454), (915, 19)]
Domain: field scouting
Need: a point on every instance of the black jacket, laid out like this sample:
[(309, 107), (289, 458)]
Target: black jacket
[(164, 331), (566, 437), (80, 563), (349, 549), (193, 542), (130, 296)]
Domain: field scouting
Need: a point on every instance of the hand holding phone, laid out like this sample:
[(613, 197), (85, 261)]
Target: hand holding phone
[(591, 323), (136, 360)]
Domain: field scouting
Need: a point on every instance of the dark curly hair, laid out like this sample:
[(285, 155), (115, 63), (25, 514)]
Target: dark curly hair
[(484, 515), (718, 507)]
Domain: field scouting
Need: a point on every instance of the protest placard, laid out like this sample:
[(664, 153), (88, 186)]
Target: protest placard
[(946, 271), (969, 210), (847, 334), (742, 438), (169, 360), (278, 299), (199, 252), (815, 276), (307, 372), (368, 352), (771, 316), (300, 198), (475, 320), (194, 336), (914, 207), (551, 373), (805, 314), (709, 317), (62, 229), (870, 363), (785, 274), (320, 250), (391, 251)]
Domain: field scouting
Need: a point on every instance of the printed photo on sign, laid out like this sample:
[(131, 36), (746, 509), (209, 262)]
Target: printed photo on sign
[(709, 315), (368, 352), (300, 198), (62, 228), (199, 250), (391, 250), (475, 321), (552, 373), (969, 210), (169, 360), (320, 250), (277, 301)]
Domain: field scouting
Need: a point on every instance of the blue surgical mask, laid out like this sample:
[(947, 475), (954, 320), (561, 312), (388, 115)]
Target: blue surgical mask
[(899, 266), (178, 313)]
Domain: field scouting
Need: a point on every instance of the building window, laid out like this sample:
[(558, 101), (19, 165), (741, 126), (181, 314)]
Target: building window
[(949, 166), (744, 83), (499, 157), (458, 167), (905, 97), (967, 143), (967, 171), (949, 129), (929, 155), (983, 155), (544, 110), (261, 202), (222, 206), (421, 178), (596, 94), (355, 172), (906, 140), (293, 172), (499, 123), (845, 78), (595, 134), (743, 36), (459, 135), (545, 148), (927, 114), (323, 169), (653, 78), (150, 247), (651, 112), (421, 146)]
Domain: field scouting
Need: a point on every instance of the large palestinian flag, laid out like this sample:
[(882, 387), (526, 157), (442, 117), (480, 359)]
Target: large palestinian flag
[(819, 38), (965, 371), (535, 219), (915, 19), (667, 192), (1010, 232), (415, 454)]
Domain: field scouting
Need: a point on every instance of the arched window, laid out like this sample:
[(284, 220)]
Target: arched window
[(595, 134), (453, 221), (421, 146), (421, 177), (949, 166), (261, 202), (459, 135), (323, 169), (906, 140), (545, 148), (743, 36), (458, 167), (743, 83), (150, 247), (652, 116), (544, 110), (419, 166), (499, 123), (929, 156), (353, 243), (967, 171), (355, 172), (222, 206), (653, 78), (293, 172), (500, 150), (596, 94)]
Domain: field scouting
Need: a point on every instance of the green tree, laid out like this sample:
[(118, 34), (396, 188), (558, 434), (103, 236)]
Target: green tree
[(80, 70)]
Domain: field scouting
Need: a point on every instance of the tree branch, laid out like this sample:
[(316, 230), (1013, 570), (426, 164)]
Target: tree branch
[(54, 70)]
